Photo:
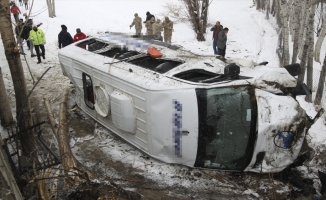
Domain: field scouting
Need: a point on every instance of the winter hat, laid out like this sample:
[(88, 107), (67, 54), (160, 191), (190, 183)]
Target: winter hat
[(64, 27), (148, 13), (78, 30)]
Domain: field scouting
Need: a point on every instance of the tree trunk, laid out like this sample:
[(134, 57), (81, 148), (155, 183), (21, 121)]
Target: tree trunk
[(321, 84), (320, 42), (303, 64), (17, 73), (262, 3), (204, 14), (285, 32), (303, 26), (5, 108), (48, 2), (69, 162), (273, 8), (268, 9), (53, 8), (296, 29), (195, 15), (258, 5), (278, 13), (310, 37)]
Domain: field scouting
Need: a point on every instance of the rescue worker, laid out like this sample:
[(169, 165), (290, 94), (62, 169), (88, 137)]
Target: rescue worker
[(149, 26), (137, 23), (157, 29), (167, 30), (29, 28), (38, 38)]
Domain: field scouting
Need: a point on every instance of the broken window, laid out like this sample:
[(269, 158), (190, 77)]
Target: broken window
[(227, 127), (88, 91), (203, 76), (154, 64)]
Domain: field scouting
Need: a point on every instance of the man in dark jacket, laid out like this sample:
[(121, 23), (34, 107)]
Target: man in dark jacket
[(64, 37), (216, 30), (149, 16), (221, 42), (20, 35)]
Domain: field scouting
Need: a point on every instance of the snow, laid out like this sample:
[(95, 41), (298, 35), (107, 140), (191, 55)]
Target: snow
[(250, 36)]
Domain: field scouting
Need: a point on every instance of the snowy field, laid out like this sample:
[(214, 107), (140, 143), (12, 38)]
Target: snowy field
[(250, 36)]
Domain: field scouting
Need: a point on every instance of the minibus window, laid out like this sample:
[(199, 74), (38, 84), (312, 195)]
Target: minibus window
[(88, 91), (227, 118)]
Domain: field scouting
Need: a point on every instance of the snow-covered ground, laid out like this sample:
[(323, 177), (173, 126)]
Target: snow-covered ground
[(250, 36)]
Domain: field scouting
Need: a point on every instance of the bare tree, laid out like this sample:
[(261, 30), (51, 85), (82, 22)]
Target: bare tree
[(268, 8), (197, 13), (51, 8), (5, 108), (285, 32), (273, 8), (296, 29), (15, 65), (319, 42), (310, 38), (321, 84), (303, 27)]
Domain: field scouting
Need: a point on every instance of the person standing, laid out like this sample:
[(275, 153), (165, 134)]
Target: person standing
[(221, 42), (38, 38), (26, 4), (15, 11), (137, 23), (79, 36), (167, 30), (217, 28), (64, 37), (149, 26), (157, 29), (20, 35), (29, 28), (149, 16)]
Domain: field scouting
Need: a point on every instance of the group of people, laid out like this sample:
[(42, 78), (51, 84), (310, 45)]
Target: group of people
[(33, 35), (154, 27), (35, 38), (15, 9), (219, 39), (64, 37)]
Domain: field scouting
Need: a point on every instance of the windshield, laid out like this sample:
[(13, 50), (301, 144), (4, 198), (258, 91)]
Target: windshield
[(227, 125)]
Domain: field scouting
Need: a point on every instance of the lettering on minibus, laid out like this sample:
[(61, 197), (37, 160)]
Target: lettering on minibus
[(177, 127)]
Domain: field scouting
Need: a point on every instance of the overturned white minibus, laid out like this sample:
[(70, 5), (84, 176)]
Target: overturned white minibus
[(179, 107)]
